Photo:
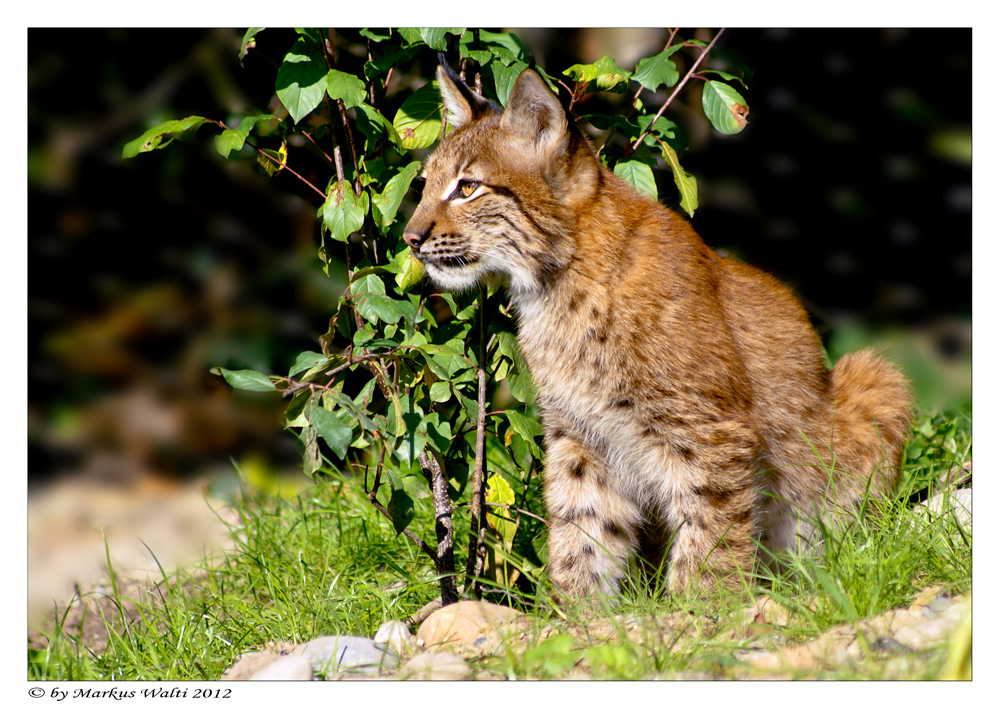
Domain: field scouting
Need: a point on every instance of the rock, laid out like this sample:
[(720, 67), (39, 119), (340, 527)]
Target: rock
[(289, 667), (958, 500), (425, 612), (397, 636), (340, 653), (436, 665), (474, 626), (250, 664)]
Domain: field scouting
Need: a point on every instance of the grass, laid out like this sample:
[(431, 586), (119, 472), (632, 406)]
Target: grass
[(324, 562)]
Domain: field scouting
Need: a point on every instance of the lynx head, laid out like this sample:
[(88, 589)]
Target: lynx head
[(502, 189)]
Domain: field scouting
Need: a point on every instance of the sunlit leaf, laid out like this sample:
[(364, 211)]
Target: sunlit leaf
[(301, 80), (387, 202), (248, 42), (347, 87), (418, 120), (246, 379), (344, 211), (234, 138), (724, 107), (435, 36), (686, 183), (604, 72), (639, 175), (657, 70), (152, 139), (498, 491)]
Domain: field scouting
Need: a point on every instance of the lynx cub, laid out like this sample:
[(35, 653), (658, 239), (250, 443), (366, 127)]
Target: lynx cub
[(680, 391)]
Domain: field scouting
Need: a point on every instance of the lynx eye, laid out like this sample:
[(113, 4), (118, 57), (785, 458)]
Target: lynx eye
[(466, 188)]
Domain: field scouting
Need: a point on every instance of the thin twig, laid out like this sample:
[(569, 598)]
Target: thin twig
[(278, 162), (477, 547), (638, 141)]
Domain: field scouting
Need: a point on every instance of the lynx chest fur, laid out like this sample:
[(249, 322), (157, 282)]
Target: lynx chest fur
[(688, 413)]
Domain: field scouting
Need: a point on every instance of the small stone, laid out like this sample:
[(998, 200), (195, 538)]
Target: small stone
[(436, 665), (960, 501), (251, 663), (338, 653), (397, 636), (472, 625), (927, 635), (289, 667)]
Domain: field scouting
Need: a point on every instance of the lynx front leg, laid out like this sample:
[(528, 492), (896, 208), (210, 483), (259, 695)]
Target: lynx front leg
[(714, 513), (593, 528)]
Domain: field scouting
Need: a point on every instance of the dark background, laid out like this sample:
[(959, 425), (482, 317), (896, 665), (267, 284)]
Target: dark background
[(852, 183)]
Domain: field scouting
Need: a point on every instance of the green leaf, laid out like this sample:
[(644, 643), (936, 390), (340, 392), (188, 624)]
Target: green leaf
[(724, 106), (411, 270), (344, 211), (498, 491), (466, 50), (376, 35), (410, 35), (248, 42), (418, 120), (440, 392), (152, 139), (306, 360), (374, 305), (375, 126), (234, 138), (639, 175), (269, 167), (604, 71), (435, 36), (246, 379), (527, 428), (504, 78), (657, 70), (725, 75), (400, 508), (311, 458), (387, 202), (301, 81), (686, 183), (503, 45), (663, 128), (345, 86), (337, 434)]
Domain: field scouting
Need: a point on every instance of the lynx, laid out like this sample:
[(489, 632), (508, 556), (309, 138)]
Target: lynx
[(689, 416)]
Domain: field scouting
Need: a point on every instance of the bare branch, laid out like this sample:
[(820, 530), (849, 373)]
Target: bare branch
[(638, 141)]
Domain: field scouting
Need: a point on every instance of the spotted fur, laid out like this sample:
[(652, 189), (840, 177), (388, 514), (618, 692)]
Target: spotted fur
[(684, 396)]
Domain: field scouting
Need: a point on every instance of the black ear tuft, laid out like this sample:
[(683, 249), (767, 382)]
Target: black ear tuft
[(531, 60)]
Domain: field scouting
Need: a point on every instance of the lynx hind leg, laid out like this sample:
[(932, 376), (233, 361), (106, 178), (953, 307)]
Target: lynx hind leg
[(593, 528), (715, 516)]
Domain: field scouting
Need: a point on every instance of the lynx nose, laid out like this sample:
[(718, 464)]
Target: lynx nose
[(414, 240)]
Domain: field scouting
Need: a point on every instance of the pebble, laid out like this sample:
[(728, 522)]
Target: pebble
[(339, 653), (959, 500), (289, 667), (475, 627), (397, 636), (436, 665)]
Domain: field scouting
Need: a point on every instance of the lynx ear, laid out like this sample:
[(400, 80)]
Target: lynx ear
[(461, 104), (534, 112)]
